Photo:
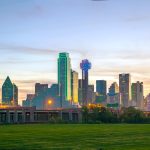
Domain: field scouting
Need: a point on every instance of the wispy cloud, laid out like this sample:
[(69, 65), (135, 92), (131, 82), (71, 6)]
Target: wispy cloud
[(137, 18), (37, 51)]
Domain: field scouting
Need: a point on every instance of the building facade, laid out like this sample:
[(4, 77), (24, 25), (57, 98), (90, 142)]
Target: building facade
[(40, 89), (64, 78), (91, 94), (9, 93), (85, 65), (101, 91), (15, 95), (114, 88), (137, 95), (113, 97), (74, 87), (125, 89)]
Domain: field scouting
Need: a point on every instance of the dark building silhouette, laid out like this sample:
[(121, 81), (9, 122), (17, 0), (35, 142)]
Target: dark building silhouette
[(40, 89), (85, 65), (44, 97), (29, 100), (9, 93)]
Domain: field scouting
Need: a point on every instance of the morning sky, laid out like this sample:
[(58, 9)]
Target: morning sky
[(113, 34)]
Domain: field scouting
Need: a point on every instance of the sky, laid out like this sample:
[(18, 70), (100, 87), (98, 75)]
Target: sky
[(112, 34)]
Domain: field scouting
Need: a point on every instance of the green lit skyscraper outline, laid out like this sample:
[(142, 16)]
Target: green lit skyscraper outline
[(64, 77)]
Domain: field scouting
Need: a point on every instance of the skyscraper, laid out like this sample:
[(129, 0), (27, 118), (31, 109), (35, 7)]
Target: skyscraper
[(9, 93), (80, 91), (41, 89), (125, 89), (91, 94), (64, 77), (113, 97), (85, 65), (101, 87), (137, 94), (114, 88), (15, 95), (74, 86), (101, 90)]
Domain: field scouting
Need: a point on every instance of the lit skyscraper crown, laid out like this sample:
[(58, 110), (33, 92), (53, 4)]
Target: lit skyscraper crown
[(85, 65)]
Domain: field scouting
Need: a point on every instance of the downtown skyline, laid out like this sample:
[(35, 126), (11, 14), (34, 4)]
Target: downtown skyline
[(113, 35)]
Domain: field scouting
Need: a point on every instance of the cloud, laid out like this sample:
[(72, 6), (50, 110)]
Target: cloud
[(26, 50), (37, 51), (137, 18)]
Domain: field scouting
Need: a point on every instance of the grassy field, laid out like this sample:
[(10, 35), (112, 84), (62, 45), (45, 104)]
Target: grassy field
[(75, 137)]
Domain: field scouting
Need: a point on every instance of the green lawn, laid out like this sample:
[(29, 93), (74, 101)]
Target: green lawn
[(76, 137)]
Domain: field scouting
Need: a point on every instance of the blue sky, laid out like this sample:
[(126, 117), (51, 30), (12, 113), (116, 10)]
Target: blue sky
[(112, 34)]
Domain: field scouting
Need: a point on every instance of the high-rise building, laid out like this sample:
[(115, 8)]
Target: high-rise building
[(64, 77), (137, 94), (101, 90), (91, 94), (15, 95), (9, 93), (114, 88), (101, 87), (74, 87), (80, 91), (85, 65), (40, 89), (147, 108), (113, 97), (125, 89)]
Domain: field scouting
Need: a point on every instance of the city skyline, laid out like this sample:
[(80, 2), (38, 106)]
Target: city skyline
[(113, 35)]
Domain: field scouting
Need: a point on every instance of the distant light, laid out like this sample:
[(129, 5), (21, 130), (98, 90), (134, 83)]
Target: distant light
[(49, 102)]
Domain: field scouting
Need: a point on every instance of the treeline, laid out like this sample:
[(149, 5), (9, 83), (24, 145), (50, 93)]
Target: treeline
[(97, 114)]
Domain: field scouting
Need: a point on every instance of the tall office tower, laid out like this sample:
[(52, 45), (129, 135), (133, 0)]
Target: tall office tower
[(147, 102), (74, 87), (85, 65), (125, 89), (15, 95), (114, 88), (113, 97), (101, 87), (9, 93), (137, 94), (41, 89), (64, 77), (101, 90), (80, 91), (91, 94)]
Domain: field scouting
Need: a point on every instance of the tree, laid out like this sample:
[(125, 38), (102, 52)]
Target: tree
[(132, 115)]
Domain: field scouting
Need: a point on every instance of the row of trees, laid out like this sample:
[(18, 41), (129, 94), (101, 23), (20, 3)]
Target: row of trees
[(99, 114)]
